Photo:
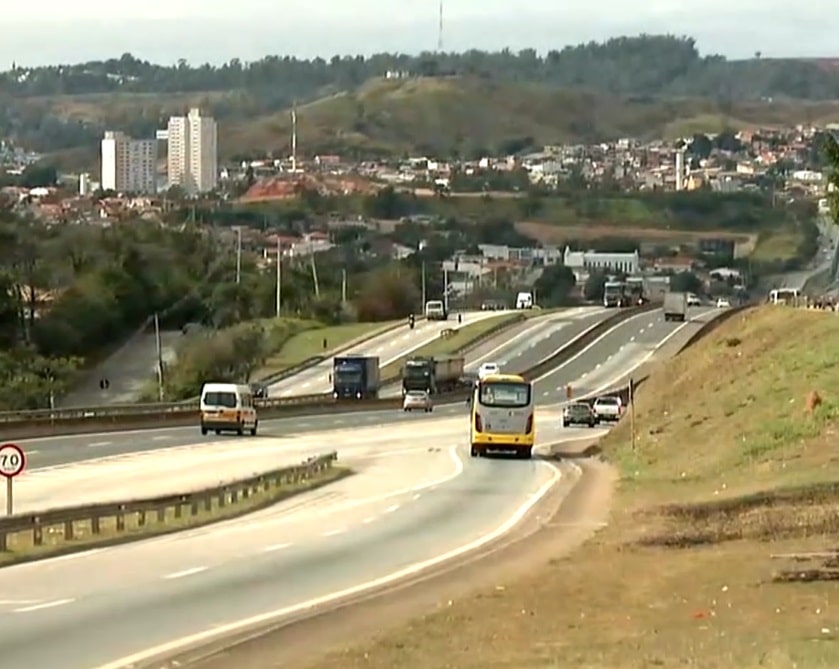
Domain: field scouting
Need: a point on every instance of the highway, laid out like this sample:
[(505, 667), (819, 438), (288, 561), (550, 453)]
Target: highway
[(389, 346), (412, 502)]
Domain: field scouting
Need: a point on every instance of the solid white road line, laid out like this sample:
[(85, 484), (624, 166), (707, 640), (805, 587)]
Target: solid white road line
[(46, 605), (185, 572), (225, 629), (275, 548)]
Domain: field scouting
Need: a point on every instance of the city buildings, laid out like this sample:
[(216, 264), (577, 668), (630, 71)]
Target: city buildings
[(193, 152), (128, 165)]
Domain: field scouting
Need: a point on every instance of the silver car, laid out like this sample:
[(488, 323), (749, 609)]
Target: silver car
[(418, 399)]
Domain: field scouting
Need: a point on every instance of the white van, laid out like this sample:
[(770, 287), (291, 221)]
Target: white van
[(524, 301), (228, 407)]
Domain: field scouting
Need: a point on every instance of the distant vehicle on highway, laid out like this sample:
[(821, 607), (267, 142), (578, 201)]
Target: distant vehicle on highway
[(418, 399), (608, 407), (435, 310), (355, 377), (524, 301), (227, 407), (723, 303), (487, 369), (501, 416), (693, 300), (492, 305), (432, 374), (615, 294), (675, 306), (784, 296), (579, 413)]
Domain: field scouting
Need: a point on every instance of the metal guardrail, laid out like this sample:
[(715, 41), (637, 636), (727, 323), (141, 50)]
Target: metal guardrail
[(20, 425), (58, 527)]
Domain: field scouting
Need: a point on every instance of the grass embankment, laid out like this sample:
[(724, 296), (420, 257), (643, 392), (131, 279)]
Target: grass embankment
[(22, 549), (730, 468), (308, 343), (461, 338)]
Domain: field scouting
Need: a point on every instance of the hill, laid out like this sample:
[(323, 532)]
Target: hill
[(474, 117), (468, 115), (626, 85)]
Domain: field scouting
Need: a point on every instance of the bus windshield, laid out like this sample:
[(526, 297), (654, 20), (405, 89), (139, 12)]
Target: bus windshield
[(512, 394)]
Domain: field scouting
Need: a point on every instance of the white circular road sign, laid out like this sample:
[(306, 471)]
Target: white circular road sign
[(12, 460)]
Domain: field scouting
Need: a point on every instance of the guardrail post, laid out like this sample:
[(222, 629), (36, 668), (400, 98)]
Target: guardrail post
[(95, 525), (37, 532), (141, 518), (4, 542), (119, 517), (178, 510), (69, 533)]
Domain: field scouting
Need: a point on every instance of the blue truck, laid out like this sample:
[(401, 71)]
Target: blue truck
[(355, 377)]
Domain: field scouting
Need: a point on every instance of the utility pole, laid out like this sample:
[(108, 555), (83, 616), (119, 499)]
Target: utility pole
[(423, 285), (159, 358), (279, 275), (238, 255), (315, 275), (446, 289), (344, 286)]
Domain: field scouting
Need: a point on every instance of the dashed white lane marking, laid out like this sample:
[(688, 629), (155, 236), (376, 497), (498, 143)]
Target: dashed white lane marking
[(391, 508), (417, 496), (185, 572), (369, 520), (45, 605), (161, 437), (275, 547), (632, 339), (97, 444), (332, 533)]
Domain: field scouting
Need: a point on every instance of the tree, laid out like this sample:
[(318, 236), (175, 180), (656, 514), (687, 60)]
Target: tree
[(594, 286), (554, 285), (685, 282)]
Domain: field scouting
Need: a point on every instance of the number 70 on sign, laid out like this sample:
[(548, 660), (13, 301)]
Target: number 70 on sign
[(12, 460)]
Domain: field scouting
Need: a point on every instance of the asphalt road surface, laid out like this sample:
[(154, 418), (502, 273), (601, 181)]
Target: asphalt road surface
[(389, 346), (417, 498)]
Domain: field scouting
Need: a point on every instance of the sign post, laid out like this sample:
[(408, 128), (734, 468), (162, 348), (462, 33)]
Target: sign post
[(12, 464), (632, 411)]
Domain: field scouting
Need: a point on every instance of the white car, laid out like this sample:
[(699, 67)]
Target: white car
[(723, 303), (694, 301), (488, 369), (608, 408)]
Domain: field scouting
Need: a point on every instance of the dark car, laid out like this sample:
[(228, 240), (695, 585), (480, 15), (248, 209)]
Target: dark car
[(579, 413)]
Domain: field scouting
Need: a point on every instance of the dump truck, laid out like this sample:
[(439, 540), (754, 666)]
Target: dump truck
[(355, 377), (675, 306), (434, 374)]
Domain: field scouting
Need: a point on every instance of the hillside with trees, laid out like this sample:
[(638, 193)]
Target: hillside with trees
[(627, 85)]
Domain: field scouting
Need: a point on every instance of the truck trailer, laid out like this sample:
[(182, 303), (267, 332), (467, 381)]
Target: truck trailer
[(434, 374), (355, 377), (675, 306)]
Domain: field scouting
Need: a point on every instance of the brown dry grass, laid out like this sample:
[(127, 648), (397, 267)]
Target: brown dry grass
[(729, 468)]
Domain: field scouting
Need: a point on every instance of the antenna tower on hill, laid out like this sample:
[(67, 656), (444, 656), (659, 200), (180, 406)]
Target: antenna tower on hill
[(294, 137), (440, 30)]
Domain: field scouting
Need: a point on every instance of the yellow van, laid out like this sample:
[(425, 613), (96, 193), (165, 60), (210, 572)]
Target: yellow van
[(228, 407)]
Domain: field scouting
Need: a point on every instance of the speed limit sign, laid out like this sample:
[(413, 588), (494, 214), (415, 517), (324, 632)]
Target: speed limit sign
[(12, 460)]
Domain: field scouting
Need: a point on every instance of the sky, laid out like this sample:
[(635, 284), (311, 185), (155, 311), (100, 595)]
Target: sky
[(162, 31)]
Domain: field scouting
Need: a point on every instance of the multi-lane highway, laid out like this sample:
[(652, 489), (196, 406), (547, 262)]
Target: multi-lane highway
[(389, 346), (412, 502)]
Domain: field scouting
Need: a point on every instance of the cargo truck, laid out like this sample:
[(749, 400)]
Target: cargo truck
[(355, 377), (434, 374), (675, 306), (614, 294)]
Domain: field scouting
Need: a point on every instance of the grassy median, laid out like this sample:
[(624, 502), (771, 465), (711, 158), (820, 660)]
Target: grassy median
[(461, 338), (21, 547), (735, 462), (309, 343)]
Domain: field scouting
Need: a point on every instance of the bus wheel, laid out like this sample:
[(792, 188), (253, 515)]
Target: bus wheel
[(526, 454), (474, 452)]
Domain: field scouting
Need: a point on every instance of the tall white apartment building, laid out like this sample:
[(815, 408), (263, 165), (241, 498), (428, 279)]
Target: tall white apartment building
[(128, 165), (193, 152)]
